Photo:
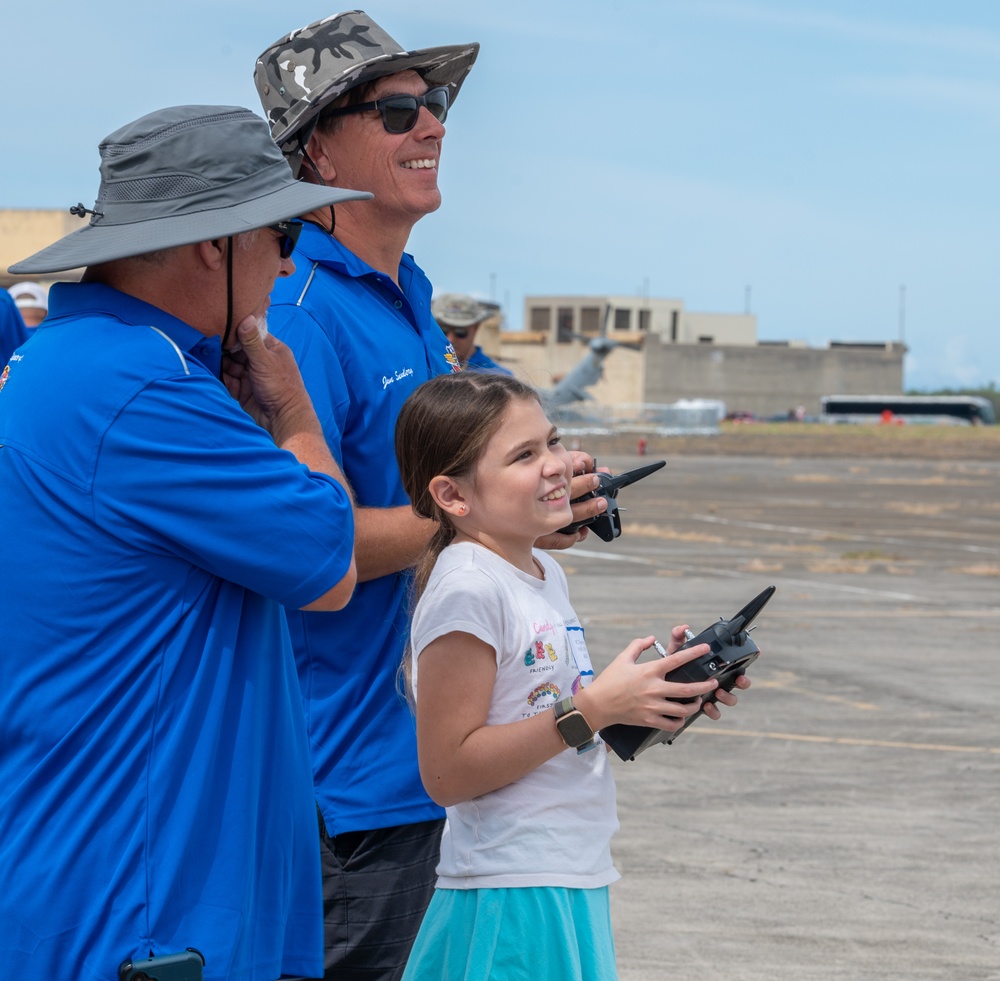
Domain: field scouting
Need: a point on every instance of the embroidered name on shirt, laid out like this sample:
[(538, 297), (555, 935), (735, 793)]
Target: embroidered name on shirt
[(398, 376)]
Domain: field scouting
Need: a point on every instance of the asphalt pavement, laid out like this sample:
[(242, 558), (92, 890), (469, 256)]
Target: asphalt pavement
[(843, 821)]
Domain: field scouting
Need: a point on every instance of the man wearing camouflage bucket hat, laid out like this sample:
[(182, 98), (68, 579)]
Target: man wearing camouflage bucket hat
[(157, 794), (349, 105)]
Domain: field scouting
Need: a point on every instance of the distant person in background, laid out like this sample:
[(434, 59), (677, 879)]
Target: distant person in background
[(459, 316), (12, 330), (32, 300)]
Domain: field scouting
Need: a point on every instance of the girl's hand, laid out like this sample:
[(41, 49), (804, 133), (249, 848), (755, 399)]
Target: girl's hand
[(636, 693)]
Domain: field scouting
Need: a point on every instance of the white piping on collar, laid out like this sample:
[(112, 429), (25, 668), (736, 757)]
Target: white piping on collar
[(308, 283), (180, 353)]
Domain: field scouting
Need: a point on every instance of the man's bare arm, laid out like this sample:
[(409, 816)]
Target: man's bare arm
[(388, 540)]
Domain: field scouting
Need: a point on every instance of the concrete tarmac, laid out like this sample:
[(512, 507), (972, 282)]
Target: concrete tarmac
[(841, 822)]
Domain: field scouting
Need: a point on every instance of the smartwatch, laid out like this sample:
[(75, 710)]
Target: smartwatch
[(573, 727)]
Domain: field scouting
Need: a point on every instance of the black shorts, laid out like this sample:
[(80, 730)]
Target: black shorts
[(376, 887)]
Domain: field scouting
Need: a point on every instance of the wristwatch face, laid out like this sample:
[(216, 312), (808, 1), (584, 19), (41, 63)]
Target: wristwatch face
[(574, 729)]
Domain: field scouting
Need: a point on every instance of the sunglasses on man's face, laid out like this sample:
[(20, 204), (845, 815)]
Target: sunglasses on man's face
[(400, 112), (460, 332), (288, 236)]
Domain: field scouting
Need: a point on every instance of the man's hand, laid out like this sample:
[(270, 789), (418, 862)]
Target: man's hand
[(261, 374), (678, 637)]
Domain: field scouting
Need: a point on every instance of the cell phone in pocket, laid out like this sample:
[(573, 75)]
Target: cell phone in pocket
[(185, 965)]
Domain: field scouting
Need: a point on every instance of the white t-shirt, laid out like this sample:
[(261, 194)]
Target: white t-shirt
[(552, 827)]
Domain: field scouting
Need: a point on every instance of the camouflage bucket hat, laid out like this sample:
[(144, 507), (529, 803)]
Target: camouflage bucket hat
[(302, 73), (181, 175)]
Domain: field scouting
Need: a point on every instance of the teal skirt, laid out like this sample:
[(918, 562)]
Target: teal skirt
[(515, 935)]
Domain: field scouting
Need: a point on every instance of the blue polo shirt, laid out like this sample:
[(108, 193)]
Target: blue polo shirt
[(363, 345), (479, 361), (13, 333), (155, 788)]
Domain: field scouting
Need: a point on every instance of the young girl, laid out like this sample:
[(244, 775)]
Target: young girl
[(508, 710)]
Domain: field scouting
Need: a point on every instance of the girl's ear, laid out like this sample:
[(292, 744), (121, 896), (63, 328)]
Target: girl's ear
[(448, 495)]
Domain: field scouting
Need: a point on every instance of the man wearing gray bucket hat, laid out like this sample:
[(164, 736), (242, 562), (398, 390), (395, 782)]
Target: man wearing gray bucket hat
[(348, 104), (156, 791)]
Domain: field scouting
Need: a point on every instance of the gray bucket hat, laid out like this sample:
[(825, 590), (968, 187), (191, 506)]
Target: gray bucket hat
[(181, 175), (302, 73)]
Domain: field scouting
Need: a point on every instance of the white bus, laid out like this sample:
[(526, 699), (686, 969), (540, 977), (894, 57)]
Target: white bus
[(972, 409)]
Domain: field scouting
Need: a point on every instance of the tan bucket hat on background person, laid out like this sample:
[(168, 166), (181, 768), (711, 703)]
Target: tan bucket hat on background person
[(458, 310), (181, 175), (302, 73)]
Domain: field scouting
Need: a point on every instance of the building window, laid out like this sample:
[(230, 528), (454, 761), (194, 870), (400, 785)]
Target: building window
[(590, 321), (564, 325), (673, 326), (541, 318), (623, 318), (705, 339), (644, 320)]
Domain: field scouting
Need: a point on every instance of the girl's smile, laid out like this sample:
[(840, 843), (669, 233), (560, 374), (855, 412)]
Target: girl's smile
[(519, 490)]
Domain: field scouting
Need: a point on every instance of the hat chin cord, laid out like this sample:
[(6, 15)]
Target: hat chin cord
[(229, 296), (333, 216)]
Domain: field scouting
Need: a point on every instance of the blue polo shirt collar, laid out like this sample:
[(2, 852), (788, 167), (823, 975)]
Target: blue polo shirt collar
[(96, 299), (320, 246)]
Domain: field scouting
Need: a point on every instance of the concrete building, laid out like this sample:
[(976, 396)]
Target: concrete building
[(563, 317), (691, 355), (25, 231)]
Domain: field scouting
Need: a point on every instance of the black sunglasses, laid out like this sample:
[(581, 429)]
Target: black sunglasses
[(289, 232), (400, 112), (460, 332)]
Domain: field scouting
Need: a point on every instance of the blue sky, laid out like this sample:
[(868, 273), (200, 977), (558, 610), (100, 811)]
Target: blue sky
[(835, 163)]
